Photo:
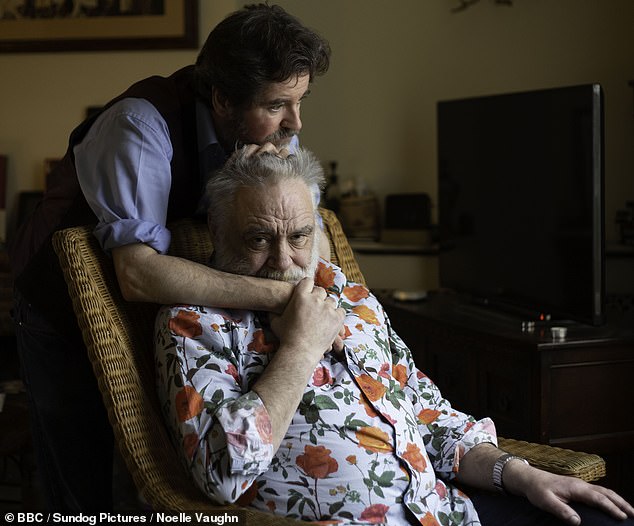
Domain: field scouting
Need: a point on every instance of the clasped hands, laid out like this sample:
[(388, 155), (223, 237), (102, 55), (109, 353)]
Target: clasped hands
[(311, 321)]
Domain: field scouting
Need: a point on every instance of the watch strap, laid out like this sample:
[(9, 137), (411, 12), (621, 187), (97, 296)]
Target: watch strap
[(498, 469)]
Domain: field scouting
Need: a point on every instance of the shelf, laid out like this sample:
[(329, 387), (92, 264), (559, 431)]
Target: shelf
[(364, 246)]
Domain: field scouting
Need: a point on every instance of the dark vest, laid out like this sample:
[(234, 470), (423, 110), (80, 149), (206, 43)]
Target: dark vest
[(34, 264)]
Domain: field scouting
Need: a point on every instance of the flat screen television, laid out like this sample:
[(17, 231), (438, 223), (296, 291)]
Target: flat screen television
[(521, 213)]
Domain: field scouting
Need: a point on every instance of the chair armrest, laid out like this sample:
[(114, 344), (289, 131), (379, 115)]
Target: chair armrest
[(585, 466)]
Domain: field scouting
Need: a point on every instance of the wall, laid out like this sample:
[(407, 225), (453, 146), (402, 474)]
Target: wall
[(43, 96), (374, 111)]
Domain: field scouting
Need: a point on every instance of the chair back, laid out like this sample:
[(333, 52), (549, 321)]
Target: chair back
[(119, 337)]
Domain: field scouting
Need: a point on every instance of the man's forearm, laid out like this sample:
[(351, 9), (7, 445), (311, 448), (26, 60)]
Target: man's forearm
[(281, 387), (145, 275), (306, 330), (476, 469)]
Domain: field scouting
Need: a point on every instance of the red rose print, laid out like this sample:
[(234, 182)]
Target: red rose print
[(375, 514), (321, 376), (186, 324)]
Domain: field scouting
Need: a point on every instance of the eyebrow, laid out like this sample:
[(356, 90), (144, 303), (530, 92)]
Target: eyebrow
[(282, 100), (306, 230)]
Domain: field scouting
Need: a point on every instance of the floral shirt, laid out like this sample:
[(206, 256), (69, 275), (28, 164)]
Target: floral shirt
[(372, 442)]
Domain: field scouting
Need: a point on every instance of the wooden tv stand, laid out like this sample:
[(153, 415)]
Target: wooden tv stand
[(576, 393)]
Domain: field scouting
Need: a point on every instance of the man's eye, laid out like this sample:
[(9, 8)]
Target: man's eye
[(258, 242), (299, 240), (276, 109)]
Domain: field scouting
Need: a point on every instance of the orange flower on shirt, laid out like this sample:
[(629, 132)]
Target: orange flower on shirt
[(372, 388), (427, 416), (369, 410), (324, 276), (356, 293), (188, 403), (259, 344), (186, 324), (399, 372), (429, 520), (414, 457), (316, 462), (366, 314), (373, 439)]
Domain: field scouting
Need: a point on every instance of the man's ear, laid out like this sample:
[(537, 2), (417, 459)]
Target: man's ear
[(220, 103)]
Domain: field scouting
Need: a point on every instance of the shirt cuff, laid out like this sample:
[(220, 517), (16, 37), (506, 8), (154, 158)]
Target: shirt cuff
[(248, 432), (132, 231), (482, 432)]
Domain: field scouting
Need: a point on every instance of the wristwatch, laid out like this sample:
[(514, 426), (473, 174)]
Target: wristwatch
[(498, 468)]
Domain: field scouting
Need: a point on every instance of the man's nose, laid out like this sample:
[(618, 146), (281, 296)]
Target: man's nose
[(280, 258), (292, 120)]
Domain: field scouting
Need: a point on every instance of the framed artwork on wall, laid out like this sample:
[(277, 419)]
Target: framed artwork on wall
[(97, 25)]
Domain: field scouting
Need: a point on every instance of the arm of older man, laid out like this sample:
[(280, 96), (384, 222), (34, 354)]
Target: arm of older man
[(306, 330), (547, 491)]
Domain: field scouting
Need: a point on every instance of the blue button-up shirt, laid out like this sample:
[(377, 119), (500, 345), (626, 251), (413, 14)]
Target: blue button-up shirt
[(123, 167)]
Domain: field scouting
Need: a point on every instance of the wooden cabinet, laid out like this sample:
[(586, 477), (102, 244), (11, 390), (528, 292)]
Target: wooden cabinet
[(575, 393)]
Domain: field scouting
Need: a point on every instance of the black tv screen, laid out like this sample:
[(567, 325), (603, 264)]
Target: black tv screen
[(521, 219)]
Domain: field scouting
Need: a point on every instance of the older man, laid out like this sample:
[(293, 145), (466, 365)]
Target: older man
[(265, 413)]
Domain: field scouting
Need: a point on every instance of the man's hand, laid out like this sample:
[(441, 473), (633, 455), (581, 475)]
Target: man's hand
[(311, 322), (267, 147), (337, 345), (277, 322), (553, 493)]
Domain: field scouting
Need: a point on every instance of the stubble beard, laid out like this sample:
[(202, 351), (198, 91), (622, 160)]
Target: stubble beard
[(238, 129)]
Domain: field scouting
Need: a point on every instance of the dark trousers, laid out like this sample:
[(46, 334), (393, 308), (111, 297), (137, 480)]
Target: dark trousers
[(71, 434), (501, 510)]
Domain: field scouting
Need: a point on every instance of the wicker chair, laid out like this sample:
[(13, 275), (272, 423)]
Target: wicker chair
[(118, 335)]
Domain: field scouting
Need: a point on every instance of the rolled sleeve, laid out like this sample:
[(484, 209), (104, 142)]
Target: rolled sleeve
[(247, 428), (483, 431), (129, 231), (449, 434), (221, 426), (123, 168)]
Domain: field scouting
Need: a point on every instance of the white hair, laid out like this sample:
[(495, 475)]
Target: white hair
[(258, 171)]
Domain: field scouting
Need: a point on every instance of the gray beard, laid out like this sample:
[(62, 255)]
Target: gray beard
[(227, 262), (239, 131)]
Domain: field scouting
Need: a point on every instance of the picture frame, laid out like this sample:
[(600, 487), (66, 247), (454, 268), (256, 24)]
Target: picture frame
[(96, 25)]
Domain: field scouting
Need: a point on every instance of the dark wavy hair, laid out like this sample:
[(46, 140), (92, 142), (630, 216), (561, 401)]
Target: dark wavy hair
[(256, 46)]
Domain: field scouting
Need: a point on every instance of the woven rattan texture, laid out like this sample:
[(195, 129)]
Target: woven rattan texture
[(118, 335), (585, 466)]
